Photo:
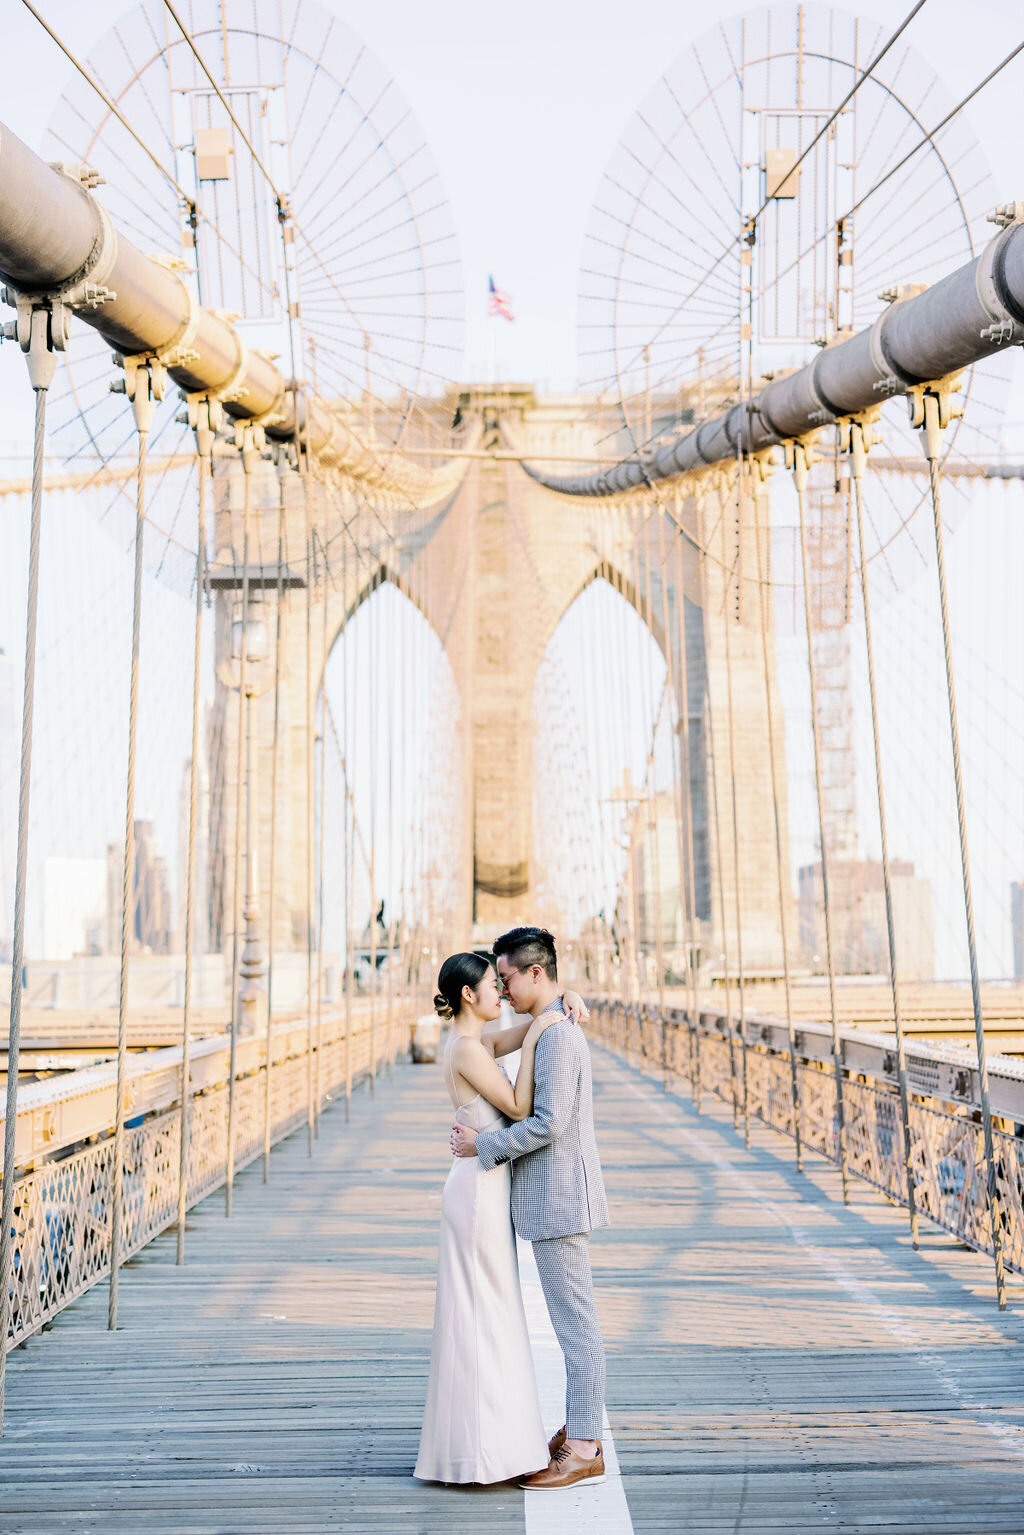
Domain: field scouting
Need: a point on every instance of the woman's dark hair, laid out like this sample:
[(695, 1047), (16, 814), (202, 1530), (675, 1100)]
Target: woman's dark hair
[(457, 971)]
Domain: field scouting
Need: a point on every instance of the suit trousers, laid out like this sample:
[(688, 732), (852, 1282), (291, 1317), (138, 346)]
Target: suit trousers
[(564, 1267)]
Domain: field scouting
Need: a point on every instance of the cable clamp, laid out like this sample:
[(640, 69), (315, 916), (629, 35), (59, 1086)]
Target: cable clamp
[(800, 455), (144, 382), (250, 440), (932, 409), (41, 329)]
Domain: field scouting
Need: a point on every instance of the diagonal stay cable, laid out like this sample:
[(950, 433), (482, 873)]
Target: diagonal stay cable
[(186, 34), (855, 87), (188, 199), (929, 137), (726, 249)]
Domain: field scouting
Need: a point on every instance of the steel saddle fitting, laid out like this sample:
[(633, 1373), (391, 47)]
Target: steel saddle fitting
[(800, 456), (144, 383), (932, 410)]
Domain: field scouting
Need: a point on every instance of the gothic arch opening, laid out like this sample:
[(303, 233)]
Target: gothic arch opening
[(390, 823), (610, 853)]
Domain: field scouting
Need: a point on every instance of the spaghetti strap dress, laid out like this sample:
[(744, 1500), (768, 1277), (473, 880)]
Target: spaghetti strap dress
[(482, 1419)]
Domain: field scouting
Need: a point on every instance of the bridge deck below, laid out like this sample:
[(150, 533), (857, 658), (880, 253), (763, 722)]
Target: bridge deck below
[(776, 1362)]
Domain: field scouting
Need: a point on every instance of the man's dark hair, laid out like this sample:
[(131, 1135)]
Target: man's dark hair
[(526, 946)]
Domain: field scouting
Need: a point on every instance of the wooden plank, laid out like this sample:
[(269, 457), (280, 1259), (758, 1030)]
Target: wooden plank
[(776, 1362)]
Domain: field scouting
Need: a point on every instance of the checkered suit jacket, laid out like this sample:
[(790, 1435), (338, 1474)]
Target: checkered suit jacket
[(557, 1188)]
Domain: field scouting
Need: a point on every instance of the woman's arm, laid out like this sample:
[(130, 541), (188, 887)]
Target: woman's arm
[(504, 1041), (473, 1061)]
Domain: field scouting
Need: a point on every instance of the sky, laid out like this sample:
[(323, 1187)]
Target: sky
[(522, 107)]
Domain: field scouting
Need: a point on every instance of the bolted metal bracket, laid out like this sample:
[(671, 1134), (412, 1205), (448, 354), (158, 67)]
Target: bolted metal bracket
[(41, 329), (86, 175), (204, 414), (932, 408), (800, 455), (857, 437), (144, 382), (250, 440)]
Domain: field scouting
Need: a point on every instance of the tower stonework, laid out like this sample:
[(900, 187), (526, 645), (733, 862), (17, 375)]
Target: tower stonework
[(493, 569)]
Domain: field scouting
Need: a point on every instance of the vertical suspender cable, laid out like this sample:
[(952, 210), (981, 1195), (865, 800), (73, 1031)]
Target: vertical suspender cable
[(352, 764), (349, 843), (320, 857), (142, 401), (858, 450), (737, 903), (204, 444), (763, 576), (373, 618), (41, 366), (932, 437), (310, 579), (274, 753), (710, 723), (652, 806), (236, 915), (691, 881), (800, 469), (668, 1055)]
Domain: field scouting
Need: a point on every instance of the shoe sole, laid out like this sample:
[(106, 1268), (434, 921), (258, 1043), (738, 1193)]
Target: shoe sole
[(583, 1481)]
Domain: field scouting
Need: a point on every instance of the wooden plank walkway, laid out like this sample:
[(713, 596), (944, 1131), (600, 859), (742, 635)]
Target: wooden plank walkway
[(776, 1362)]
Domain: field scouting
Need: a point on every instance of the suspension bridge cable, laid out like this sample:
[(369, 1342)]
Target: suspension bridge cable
[(186, 197), (929, 137), (222, 99), (932, 436), (763, 582), (143, 401), (274, 775), (858, 451), (800, 472), (204, 444), (734, 798), (868, 72), (21, 872), (236, 982), (726, 249)]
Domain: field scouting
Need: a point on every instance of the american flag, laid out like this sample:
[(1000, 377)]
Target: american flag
[(498, 302)]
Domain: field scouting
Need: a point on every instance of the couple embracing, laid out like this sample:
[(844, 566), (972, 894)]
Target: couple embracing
[(525, 1157)]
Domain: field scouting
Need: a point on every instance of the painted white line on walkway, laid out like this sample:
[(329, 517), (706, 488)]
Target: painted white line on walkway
[(603, 1509)]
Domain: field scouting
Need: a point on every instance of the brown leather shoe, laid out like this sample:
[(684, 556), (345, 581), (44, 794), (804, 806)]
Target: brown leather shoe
[(556, 1441), (566, 1469)]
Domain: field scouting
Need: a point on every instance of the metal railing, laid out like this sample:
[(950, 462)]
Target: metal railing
[(63, 1209), (947, 1140)]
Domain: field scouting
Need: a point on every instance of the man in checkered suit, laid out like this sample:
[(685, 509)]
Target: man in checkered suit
[(558, 1196)]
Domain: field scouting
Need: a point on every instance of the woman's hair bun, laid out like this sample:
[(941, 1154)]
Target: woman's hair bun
[(458, 971)]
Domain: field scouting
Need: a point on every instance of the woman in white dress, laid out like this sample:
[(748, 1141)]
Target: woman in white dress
[(482, 1420)]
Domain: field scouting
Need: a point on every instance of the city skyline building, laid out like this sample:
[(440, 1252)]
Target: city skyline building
[(860, 940)]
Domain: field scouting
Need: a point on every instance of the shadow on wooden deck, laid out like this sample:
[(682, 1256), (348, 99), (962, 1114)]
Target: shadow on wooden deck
[(776, 1362)]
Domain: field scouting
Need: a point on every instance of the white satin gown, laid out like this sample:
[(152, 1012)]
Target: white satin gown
[(482, 1419)]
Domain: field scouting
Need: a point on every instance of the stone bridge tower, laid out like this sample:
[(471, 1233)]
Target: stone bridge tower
[(493, 568)]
